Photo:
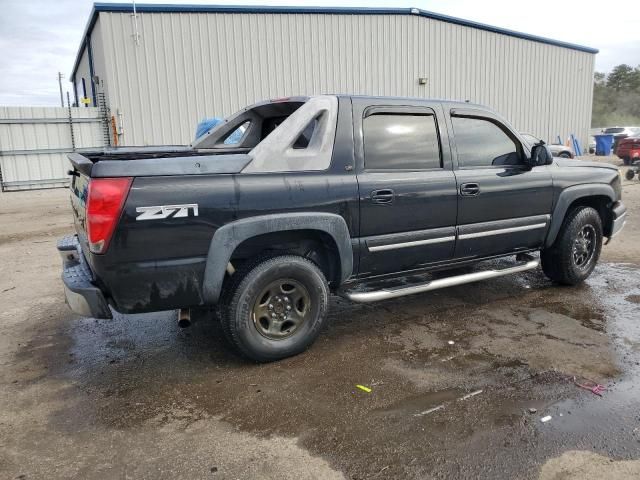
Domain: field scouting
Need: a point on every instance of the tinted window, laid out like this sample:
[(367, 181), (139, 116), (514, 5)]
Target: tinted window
[(613, 130), (234, 137), (305, 137), (481, 143), (396, 141)]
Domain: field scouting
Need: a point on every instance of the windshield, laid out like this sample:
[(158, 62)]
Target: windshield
[(530, 139)]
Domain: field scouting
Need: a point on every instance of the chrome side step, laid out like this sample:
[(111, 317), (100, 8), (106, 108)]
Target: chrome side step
[(385, 294)]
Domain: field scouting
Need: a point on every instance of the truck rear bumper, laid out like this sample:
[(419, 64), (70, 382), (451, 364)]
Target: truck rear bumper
[(82, 296), (619, 218)]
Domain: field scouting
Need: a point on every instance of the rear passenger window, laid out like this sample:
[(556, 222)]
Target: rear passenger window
[(234, 137), (481, 143), (400, 142), (303, 140)]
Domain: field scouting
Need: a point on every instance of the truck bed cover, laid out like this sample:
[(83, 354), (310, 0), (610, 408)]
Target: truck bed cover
[(145, 162)]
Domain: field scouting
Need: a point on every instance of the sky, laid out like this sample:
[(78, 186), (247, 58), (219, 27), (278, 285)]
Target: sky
[(39, 38)]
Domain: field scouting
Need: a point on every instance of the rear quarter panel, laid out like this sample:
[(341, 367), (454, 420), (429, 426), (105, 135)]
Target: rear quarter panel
[(159, 264)]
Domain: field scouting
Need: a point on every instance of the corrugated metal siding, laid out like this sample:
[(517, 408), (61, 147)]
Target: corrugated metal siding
[(47, 130), (192, 65), (99, 66)]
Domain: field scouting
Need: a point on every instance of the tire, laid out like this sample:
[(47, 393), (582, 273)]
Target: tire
[(566, 265), (564, 155), (275, 307), (630, 174)]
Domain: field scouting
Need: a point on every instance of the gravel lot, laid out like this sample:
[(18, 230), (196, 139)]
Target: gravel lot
[(137, 397)]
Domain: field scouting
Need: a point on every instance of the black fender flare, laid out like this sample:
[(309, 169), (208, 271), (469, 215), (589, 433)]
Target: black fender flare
[(227, 238), (570, 195)]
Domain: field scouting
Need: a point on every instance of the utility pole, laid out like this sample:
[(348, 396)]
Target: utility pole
[(60, 85)]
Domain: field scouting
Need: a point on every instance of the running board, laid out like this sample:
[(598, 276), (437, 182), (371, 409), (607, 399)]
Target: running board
[(385, 294)]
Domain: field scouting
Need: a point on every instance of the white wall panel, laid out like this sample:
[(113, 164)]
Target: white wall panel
[(188, 66)]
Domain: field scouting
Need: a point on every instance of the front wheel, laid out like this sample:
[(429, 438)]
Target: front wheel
[(574, 254), (275, 308)]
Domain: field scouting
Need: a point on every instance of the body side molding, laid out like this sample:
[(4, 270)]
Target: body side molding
[(498, 227)]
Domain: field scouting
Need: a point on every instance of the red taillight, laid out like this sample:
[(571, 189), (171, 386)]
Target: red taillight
[(104, 205)]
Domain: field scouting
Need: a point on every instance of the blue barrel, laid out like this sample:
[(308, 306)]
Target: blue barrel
[(205, 125), (210, 123), (603, 144)]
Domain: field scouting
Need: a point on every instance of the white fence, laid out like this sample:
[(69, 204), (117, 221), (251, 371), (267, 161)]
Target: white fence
[(35, 141)]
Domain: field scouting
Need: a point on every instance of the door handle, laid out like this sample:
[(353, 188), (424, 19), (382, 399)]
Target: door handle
[(382, 197), (469, 189)]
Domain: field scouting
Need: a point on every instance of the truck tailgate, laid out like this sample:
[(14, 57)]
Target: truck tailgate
[(79, 190)]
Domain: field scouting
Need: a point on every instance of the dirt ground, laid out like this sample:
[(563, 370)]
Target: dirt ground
[(137, 397)]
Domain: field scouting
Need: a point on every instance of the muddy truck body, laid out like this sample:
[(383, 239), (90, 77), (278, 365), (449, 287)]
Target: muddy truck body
[(370, 198)]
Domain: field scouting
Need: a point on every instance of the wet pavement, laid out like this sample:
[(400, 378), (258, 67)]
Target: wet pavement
[(460, 380)]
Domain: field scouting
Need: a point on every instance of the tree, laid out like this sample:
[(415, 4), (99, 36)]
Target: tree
[(622, 77), (616, 97)]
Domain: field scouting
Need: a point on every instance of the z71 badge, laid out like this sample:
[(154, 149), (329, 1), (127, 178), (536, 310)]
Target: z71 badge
[(166, 211)]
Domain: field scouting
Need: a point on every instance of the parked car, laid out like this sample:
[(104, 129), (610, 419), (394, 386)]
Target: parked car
[(619, 133), (345, 194), (592, 145), (556, 150), (629, 149)]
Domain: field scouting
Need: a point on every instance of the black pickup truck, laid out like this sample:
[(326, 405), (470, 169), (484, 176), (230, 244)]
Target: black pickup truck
[(321, 194)]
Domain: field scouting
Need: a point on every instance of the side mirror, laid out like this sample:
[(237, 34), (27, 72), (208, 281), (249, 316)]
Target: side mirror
[(540, 155)]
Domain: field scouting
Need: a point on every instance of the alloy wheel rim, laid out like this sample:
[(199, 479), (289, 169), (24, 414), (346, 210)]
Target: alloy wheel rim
[(281, 309), (584, 246)]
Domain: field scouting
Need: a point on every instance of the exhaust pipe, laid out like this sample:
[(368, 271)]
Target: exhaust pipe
[(184, 317)]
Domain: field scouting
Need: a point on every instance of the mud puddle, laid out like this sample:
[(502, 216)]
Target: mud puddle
[(518, 340), (609, 423)]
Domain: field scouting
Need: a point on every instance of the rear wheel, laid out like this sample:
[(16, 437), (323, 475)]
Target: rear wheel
[(574, 254), (565, 155), (275, 308), (630, 174)]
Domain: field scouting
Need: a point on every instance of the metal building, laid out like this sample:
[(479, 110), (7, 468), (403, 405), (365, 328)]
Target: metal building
[(166, 67)]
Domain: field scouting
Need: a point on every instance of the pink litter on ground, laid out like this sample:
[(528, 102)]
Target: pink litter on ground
[(592, 386)]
